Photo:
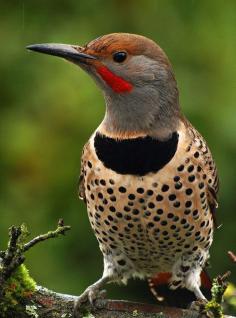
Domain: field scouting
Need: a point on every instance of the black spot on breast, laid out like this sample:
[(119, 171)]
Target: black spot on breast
[(121, 262), (137, 156)]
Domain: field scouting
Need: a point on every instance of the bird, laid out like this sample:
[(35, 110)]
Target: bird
[(148, 178)]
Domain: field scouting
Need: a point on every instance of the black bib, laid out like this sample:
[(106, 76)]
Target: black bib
[(137, 156)]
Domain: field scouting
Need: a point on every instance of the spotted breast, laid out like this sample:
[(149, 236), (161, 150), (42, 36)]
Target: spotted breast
[(152, 221)]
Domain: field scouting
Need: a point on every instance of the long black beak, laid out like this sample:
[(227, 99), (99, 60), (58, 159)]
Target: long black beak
[(69, 52)]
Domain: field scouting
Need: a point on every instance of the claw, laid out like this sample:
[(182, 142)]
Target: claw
[(81, 300), (198, 305), (91, 294), (102, 294)]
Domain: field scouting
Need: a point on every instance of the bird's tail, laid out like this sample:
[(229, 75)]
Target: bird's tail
[(181, 297)]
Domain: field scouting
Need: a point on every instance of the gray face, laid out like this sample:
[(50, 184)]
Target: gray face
[(139, 69), (152, 105)]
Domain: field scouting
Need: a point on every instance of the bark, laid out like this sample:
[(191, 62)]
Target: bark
[(50, 304)]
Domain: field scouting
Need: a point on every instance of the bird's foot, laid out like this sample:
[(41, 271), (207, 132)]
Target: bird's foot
[(199, 306), (90, 295)]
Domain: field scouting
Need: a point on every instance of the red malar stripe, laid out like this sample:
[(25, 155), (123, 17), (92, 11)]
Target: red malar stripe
[(118, 84)]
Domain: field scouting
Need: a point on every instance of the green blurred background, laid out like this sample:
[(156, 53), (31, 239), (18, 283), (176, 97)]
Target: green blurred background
[(49, 108)]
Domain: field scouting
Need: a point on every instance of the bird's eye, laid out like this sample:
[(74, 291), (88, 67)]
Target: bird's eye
[(119, 56)]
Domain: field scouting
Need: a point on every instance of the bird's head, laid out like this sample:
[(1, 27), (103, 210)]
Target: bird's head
[(136, 78)]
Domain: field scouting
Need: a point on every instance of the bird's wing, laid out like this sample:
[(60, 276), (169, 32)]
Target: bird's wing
[(81, 189), (81, 186), (208, 166)]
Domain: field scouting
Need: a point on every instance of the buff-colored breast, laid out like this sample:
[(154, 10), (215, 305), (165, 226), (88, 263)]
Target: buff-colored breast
[(154, 219)]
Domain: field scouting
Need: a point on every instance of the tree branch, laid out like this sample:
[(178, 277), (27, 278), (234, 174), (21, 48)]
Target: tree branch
[(60, 230), (232, 256), (48, 304)]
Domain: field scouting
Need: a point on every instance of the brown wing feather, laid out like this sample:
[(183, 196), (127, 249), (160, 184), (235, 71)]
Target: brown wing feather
[(208, 166), (81, 186)]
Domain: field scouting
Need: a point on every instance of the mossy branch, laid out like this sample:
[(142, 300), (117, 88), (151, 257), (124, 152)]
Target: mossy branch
[(13, 256), (214, 306), (60, 230)]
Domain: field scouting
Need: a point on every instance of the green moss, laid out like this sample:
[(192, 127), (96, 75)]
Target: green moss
[(215, 308), (217, 290), (17, 289)]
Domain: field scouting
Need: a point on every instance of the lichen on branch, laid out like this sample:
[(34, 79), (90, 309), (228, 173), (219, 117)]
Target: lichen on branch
[(16, 285), (219, 285)]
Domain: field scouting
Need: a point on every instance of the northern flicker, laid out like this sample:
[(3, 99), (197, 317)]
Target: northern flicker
[(147, 176)]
